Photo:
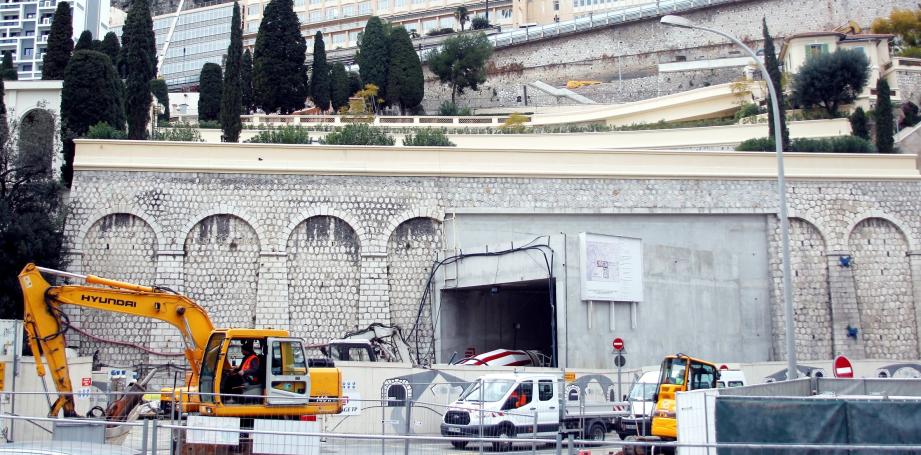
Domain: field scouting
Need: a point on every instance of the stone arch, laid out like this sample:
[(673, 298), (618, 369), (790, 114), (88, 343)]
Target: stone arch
[(95, 217), (324, 274), (243, 215), (885, 300), (811, 298), (119, 246), (363, 238), (411, 248), (36, 139), (891, 219), (221, 268)]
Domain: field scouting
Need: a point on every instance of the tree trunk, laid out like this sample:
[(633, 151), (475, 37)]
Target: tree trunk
[(453, 91)]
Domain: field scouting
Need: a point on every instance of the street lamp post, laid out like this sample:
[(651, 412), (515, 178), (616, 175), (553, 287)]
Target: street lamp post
[(792, 372)]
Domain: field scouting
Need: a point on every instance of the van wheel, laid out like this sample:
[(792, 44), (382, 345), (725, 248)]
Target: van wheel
[(505, 436), (459, 444), (595, 432)]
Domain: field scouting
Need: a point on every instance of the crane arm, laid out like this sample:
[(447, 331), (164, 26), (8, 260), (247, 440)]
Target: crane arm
[(46, 323)]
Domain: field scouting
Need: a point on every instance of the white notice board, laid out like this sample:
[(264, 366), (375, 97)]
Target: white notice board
[(611, 268)]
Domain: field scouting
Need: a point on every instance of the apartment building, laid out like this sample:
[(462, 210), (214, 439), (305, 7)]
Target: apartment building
[(25, 25)]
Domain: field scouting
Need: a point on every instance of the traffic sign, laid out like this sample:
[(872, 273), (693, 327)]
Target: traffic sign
[(620, 360), (724, 367), (618, 344), (843, 368)]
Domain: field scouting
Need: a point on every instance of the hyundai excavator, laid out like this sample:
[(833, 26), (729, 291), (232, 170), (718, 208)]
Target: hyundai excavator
[(285, 389)]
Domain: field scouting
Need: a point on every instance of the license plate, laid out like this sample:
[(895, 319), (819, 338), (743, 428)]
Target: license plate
[(454, 430), (630, 426)]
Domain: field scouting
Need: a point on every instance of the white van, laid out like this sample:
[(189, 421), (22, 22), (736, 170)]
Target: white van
[(731, 378), (525, 405), (640, 399)]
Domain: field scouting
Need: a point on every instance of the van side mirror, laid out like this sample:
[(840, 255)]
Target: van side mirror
[(624, 398)]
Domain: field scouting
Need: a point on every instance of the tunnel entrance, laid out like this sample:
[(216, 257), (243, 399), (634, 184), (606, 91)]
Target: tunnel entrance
[(479, 319)]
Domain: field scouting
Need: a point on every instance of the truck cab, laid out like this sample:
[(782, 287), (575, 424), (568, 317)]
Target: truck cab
[(641, 403)]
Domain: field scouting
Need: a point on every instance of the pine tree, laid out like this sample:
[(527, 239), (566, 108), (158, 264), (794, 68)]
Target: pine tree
[(246, 80), (773, 67), (89, 95), (139, 59), (884, 118), (320, 88), (461, 62), (231, 95), (110, 46), (339, 87), (7, 68), (373, 56), (406, 83), (209, 92), (859, 126), (60, 43), (279, 71), (85, 42)]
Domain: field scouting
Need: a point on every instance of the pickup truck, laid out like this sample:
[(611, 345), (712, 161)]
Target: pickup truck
[(526, 405)]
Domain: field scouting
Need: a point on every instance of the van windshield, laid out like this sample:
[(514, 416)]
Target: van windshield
[(492, 390), (642, 391)]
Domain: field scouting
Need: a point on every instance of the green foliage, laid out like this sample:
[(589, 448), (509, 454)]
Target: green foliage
[(831, 80), (103, 130), (85, 42), (373, 57), (110, 46), (139, 59), (462, 16), (179, 132), (910, 115), (910, 52), (885, 123), (279, 71), (358, 134), (773, 68), (479, 23), (209, 124), (407, 84), (439, 32), (515, 123), (339, 90), (746, 110), (320, 86), (428, 137), (905, 24), (160, 92), (354, 82), (90, 94), (8, 69), (837, 144), (663, 125), (60, 43), (209, 92), (859, 125), (290, 134), (246, 80), (461, 62), (232, 90), (448, 108)]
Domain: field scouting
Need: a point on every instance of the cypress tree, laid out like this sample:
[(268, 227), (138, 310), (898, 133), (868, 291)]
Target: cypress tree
[(89, 95), (354, 83), (60, 43), (139, 57), (231, 94), (884, 118), (339, 87), (373, 56), (406, 83), (773, 67), (246, 80), (320, 88), (209, 92), (7, 67), (279, 71), (85, 42), (859, 125), (159, 91), (110, 46)]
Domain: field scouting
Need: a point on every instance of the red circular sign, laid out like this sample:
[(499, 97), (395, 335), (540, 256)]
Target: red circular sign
[(843, 368), (724, 367), (618, 344)]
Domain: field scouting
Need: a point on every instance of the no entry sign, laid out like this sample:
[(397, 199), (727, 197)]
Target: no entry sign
[(618, 344), (843, 368)]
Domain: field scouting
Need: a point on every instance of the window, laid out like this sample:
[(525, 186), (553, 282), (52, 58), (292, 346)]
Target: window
[(298, 3), (332, 13), (348, 10), (545, 390), (302, 17), (339, 38), (429, 25), (252, 26), (254, 10), (506, 13), (383, 4), (446, 22), (702, 376), (316, 16), (353, 36), (315, 2), (815, 50), (556, 5), (27, 52), (30, 32), (521, 396), (399, 3), (364, 8), (418, 2)]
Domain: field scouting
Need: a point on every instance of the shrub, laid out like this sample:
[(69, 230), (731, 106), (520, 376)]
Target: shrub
[(831, 80), (292, 134), (436, 32), (103, 130), (209, 124), (910, 116), (358, 134), (428, 137), (859, 125), (837, 144), (747, 110), (479, 23), (449, 108), (514, 124), (180, 131)]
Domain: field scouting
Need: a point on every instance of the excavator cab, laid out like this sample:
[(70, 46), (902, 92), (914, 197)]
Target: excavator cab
[(679, 373)]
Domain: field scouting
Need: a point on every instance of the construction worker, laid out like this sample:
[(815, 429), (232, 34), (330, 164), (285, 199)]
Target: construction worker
[(249, 374)]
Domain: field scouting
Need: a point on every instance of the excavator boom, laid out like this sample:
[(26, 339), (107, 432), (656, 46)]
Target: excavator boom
[(46, 323)]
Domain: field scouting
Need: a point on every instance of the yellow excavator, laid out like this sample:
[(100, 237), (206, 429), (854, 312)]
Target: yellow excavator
[(283, 388), (679, 373)]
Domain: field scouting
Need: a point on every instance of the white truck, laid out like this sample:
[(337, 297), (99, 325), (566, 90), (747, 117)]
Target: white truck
[(525, 405)]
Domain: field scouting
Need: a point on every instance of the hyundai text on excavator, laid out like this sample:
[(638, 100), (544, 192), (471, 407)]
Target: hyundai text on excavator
[(285, 389), (679, 373)]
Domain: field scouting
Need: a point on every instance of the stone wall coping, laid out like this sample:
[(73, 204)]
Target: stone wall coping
[(148, 156)]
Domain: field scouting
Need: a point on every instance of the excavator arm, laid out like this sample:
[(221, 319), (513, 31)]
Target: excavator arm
[(46, 323)]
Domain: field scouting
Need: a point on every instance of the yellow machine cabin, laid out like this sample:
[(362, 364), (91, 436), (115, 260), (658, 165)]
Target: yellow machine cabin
[(236, 372)]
